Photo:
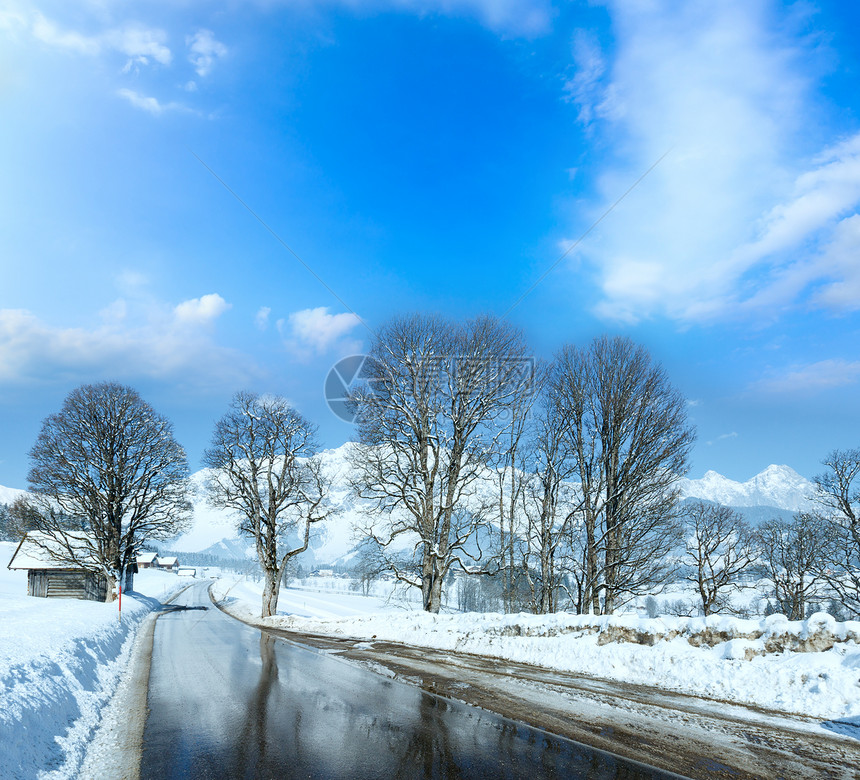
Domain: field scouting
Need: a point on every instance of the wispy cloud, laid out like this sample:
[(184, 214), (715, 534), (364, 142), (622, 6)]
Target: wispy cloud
[(48, 32), (148, 103), (314, 332), (810, 378), (204, 50), (141, 44), (261, 319), (584, 87), (729, 223)]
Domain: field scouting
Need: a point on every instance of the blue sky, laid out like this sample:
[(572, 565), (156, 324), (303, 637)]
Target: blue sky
[(432, 156)]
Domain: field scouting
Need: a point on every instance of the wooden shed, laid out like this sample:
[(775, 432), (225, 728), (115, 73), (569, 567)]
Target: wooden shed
[(48, 578)]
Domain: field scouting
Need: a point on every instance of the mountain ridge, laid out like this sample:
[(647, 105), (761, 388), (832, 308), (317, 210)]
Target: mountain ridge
[(775, 487)]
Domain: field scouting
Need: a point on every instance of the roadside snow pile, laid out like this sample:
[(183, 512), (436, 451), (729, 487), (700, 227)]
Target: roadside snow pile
[(809, 667), (60, 661)]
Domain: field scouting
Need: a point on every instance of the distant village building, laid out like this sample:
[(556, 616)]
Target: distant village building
[(186, 571), (146, 560), (48, 578), (169, 563)]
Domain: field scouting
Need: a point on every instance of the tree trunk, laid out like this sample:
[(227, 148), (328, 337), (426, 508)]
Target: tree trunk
[(434, 603), (592, 593), (271, 590), (110, 590)]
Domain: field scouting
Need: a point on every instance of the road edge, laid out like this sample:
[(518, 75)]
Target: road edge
[(116, 748)]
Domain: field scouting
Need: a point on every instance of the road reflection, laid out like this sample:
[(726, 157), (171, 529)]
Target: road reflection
[(227, 700)]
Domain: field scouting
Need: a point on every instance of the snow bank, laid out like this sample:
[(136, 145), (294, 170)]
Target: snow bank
[(60, 661), (809, 667)]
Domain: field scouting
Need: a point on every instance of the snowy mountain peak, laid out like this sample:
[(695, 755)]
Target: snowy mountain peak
[(8, 495), (778, 486)]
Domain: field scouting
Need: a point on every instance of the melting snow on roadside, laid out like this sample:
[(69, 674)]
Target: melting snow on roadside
[(809, 667), (60, 661)]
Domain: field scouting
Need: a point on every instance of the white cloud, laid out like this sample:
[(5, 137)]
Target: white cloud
[(315, 331), (204, 50), (811, 378), (584, 87), (143, 102), (203, 310), (261, 319), (840, 262), (139, 43), (133, 340), (728, 223), (149, 103), (47, 32)]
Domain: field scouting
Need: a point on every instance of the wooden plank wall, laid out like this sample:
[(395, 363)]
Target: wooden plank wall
[(66, 583)]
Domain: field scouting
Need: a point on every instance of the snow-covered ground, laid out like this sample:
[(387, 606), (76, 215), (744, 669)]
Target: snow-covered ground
[(809, 667), (60, 661), (244, 596)]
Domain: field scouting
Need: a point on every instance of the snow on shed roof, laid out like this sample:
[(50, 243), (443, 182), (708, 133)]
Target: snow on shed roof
[(30, 554), (146, 557), (169, 561)]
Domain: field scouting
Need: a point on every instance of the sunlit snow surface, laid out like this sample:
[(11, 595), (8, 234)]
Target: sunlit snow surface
[(735, 662), (60, 661)]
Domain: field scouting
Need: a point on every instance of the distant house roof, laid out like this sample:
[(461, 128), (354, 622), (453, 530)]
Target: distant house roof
[(147, 557), (169, 561), (31, 553), (186, 571)]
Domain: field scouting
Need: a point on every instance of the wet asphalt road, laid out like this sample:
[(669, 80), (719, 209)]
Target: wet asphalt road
[(229, 701)]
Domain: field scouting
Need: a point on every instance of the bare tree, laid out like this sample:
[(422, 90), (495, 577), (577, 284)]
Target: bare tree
[(719, 546), (428, 421), (263, 466), (550, 504), (626, 431), (839, 499), (107, 475), (510, 461), (794, 553)]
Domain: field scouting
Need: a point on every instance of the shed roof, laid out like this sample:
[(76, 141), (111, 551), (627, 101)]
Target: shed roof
[(169, 561), (31, 552)]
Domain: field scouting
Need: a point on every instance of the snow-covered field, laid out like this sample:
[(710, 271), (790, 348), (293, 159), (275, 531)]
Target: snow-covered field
[(809, 667), (244, 597), (60, 661)]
